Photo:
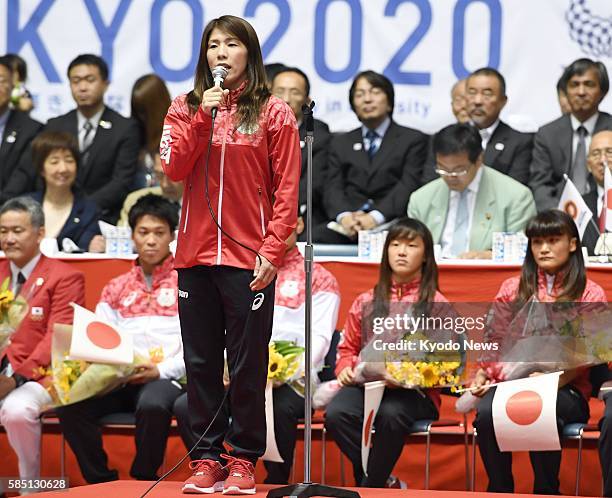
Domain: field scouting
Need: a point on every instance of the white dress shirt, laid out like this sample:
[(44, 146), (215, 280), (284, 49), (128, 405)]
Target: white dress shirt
[(600, 194), (451, 215), (26, 270), (487, 133), (589, 125)]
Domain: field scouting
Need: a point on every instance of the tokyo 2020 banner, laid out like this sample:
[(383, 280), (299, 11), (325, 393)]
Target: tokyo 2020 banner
[(423, 46)]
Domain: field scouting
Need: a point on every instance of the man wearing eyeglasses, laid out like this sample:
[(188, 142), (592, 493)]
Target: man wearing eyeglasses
[(372, 169), (469, 201), (599, 157)]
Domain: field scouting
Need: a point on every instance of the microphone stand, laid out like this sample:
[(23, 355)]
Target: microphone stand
[(307, 488)]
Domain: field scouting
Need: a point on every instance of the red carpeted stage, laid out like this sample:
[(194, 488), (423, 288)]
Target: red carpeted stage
[(134, 489)]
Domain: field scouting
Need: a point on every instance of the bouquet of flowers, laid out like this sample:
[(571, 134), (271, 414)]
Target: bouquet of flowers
[(13, 310), (76, 380), (412, 368), (423, 368), (285, 361)]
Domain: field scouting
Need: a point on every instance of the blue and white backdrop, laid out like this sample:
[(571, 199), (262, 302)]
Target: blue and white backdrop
[(423, 46)]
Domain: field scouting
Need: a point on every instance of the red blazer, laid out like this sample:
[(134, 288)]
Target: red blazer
[(49, 303)]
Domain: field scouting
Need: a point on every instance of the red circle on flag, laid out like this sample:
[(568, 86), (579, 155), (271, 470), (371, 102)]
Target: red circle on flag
[(609, 199), (524, 407), (367, 429), (103, 336), (570, 208)]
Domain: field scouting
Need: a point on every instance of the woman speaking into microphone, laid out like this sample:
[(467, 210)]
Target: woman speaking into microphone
[(236, 148)]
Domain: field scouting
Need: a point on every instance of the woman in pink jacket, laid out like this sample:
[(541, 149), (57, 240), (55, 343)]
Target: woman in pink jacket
[(408, 280), (241, 171), (553, 271)]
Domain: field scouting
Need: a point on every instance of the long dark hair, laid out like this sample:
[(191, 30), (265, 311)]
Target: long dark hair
[(406, 228), (150, 103), (547, 224), (256, 92)]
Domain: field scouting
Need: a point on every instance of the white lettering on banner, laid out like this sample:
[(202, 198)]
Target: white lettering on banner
[(422, 46), (183, 294), (165, 146)]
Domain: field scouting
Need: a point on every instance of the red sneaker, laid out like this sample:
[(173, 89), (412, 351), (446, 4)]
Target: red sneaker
[(241, 477), (208, 477)]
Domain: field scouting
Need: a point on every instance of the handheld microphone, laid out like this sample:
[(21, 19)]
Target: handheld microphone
[(219, 73)]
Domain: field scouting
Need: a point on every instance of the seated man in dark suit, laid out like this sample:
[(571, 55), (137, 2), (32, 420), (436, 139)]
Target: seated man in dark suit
[(373, 169), (600, 157), (109, 143), (561, 146), (505, 149), (293, 86), (17, 130)]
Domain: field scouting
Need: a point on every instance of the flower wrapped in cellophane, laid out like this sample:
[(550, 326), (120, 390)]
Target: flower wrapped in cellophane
[(416, 348), (13, 309), (77, 380), (285, 362), (548, 337)]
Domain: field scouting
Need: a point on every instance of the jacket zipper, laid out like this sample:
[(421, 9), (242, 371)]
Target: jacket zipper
[(220, 203), (187, 207), (261, 213)]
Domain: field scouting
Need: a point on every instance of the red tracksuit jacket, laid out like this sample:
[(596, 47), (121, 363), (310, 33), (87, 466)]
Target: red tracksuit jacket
[(253, 182)]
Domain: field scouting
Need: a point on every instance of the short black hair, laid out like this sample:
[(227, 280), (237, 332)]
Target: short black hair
[(272, 69), (154, 205), (377, 80), (581, 66), (489, 71), (456, 139), (6, 62), (19, 66), (90, 60), (296, 71)]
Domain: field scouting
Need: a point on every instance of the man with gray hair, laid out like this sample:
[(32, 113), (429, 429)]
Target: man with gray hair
[(48, 286)]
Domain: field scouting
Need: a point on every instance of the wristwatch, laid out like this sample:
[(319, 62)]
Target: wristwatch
[(19, 380)]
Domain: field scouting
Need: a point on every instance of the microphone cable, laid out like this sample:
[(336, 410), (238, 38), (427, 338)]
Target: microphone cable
[(214, 218)]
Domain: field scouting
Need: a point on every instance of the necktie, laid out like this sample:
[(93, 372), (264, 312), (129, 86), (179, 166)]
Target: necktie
[(88, 137), (20, 281), (579, 171), (460, 234), (371, 135), (602, 215), (484, 136)]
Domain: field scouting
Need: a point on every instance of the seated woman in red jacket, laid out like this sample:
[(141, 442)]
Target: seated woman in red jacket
[(408, 274), (553, 271)]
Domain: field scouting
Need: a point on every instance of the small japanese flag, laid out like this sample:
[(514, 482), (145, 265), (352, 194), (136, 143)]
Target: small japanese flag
[(525, 414), (607, 198), (95, 340), (573, 204), (372, 396)]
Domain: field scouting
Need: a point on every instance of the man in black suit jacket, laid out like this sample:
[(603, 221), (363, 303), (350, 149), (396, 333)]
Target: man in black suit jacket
[(557, 143), (600, 155), (109, 151), (505, 149), (292, 85), (17, 130), (373, 169)]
